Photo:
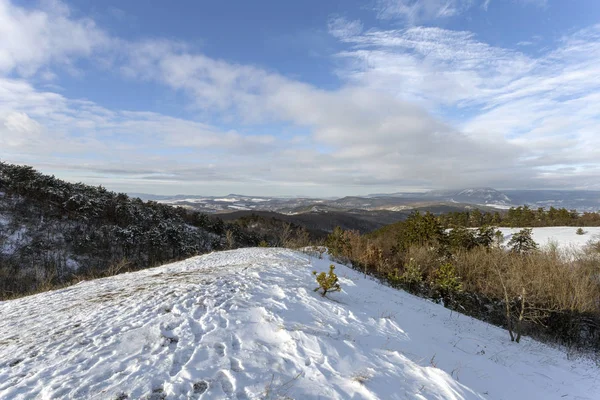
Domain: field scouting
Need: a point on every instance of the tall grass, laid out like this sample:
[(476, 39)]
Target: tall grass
[(558, 279)]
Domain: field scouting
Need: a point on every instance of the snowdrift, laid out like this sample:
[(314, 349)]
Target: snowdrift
[(246, 324)]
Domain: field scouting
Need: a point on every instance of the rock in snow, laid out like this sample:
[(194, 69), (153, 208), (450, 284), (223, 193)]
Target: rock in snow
[(246, 324)]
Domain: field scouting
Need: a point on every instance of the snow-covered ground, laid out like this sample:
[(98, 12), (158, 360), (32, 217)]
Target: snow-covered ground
[(246, 324), (4, 220), (498, 206), (564, 236)]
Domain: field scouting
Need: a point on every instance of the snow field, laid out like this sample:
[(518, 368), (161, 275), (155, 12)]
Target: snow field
[(565, 236), (246, 324)]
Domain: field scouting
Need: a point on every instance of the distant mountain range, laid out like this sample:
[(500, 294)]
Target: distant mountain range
[(440, 200)]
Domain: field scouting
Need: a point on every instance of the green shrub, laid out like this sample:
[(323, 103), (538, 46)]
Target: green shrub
[(498, 238), (462, 238), (522, 242), (263, 243), (394, 277), (411, 278), (446, 280), (580, 231), (485, 236), (420, 229), (328, 282), (412, 274), (337, 243)]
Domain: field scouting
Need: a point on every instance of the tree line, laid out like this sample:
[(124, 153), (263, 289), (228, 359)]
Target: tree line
[(521, 216)]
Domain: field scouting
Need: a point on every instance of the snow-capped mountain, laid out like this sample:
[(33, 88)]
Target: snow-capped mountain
[(581, 200), (487, 196), (477, 196), (246, 324)]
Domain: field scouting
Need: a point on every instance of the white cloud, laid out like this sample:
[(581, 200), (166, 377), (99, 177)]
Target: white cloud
[(547, 106), (530, 120), (30, 39), (19, 129), (372, 138)]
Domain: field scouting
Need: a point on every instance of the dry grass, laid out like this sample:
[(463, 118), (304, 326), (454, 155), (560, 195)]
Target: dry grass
[(558, 279), (25, 284), (553, 278), (552, 293)]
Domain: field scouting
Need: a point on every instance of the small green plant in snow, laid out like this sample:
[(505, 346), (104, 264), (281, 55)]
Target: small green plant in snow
[(328, 282)]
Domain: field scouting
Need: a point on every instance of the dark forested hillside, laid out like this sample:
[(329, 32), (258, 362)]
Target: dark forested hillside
[(320, 224), (521, 216), (52, 231)]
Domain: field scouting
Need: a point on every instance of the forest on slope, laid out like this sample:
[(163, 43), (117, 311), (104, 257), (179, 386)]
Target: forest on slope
[(53, 232)]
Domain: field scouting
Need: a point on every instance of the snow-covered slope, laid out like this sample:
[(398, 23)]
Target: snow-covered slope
[(246, 324)]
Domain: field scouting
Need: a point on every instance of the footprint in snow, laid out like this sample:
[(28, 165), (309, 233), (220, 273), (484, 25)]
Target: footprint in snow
[(200, 387), (220, 349), (226, 382), (157, 394), (223, 322), (236, 343), (236, 365)]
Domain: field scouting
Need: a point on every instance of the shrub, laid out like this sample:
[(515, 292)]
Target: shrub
[(498, 237), (485, 236), (263, 243), (427, 260), (412, 275), (522, 242), (421, 229), (410, 278), (328, 282), (337, 243), (580, 231), (461, 238), (394, 277), (446, 280)]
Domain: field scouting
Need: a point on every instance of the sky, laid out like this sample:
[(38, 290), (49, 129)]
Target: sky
[(319, 97)]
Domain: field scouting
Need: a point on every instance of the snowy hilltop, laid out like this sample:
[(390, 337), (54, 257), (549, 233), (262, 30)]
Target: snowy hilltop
[(246, 324)]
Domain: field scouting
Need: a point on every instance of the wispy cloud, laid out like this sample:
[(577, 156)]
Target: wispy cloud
[(537, 3), (413, 11), (341, 27), (548, 106)]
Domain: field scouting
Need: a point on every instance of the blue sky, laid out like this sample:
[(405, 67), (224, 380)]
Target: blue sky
[(318, 98)]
